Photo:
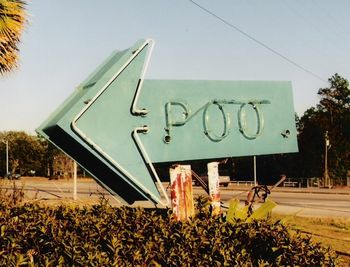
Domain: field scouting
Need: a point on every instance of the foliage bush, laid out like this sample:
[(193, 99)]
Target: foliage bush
[(33, 235)]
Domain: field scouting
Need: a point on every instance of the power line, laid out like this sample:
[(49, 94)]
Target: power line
[(326, 31), (258, 42)]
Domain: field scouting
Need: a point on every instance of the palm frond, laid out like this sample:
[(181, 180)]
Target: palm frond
[(12, 20)]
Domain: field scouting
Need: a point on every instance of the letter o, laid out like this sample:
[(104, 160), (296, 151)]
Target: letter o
[(243, 123), (208, 132)]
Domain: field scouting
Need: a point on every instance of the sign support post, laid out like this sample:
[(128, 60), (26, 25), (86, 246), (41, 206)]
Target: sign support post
[(181, 192), (214, 187)]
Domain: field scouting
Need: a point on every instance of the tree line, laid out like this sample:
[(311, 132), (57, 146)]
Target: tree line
[(329, 119), (27, 154)]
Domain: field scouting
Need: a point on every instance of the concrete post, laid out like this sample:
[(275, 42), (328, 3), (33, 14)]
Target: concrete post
[(214, 186), (181, 192)]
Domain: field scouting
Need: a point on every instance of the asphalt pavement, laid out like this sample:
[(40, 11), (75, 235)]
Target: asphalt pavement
[(313, 201)]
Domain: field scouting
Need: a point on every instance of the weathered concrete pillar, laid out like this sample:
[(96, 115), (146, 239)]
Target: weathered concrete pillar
[(181, 191), (214, 187)]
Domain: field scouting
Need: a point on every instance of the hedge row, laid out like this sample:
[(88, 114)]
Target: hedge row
[(33, 235)]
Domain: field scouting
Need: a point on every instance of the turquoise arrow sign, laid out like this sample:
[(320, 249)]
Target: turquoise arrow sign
[(116, 124)]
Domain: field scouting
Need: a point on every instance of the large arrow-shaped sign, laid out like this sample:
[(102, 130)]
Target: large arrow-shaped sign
[(116, 131)]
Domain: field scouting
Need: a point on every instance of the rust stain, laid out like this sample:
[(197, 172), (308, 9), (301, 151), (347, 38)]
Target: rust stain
[(181, 192)]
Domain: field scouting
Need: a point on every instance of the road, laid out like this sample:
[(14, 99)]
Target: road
[(304, 202)]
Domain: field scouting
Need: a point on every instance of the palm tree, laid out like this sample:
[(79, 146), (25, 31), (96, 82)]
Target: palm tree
[(12, 20)]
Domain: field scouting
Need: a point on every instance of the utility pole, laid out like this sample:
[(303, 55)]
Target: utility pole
[(326, 178)]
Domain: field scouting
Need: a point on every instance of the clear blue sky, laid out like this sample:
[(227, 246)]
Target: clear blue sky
[(65, 41)]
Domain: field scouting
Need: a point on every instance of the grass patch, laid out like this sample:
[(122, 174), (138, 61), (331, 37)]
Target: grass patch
[(331, 232)]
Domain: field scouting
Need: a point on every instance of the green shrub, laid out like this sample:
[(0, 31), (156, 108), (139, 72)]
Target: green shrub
[(33, 235)]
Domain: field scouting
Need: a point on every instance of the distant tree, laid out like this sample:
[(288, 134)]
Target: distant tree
[(50, 152), (28, 153), (335, 99), (12, 20), (311, 144), (25, 152), (332, 114), (335, 106)]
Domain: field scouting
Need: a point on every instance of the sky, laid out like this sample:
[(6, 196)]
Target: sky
[(65, 41)]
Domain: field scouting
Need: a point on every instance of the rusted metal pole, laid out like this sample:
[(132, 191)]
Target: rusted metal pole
[(181, 192), (214, 187)]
